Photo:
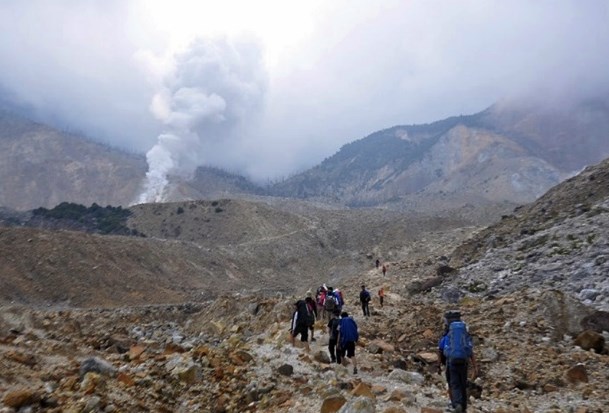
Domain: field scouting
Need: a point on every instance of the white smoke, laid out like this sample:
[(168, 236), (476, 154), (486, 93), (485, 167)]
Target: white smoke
[(214, 86)]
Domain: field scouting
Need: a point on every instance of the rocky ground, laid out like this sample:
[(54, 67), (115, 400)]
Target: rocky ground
[(533, 289), (233, 355)]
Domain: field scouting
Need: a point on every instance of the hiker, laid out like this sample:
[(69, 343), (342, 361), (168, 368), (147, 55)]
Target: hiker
[(312, 313), (300, 324), (456, 348), (377, 263), (381, 295), (339, 298), (384, 269), (333, 333), (364, 299), (347, 337), (320, 298)]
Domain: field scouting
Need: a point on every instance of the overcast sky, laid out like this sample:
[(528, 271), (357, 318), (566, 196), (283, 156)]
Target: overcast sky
[(269, 88)]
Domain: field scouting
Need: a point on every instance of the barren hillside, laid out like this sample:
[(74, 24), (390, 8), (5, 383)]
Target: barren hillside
[(192, 251)]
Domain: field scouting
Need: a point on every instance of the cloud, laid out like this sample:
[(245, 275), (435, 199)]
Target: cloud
[(215, 86), (311, 81)]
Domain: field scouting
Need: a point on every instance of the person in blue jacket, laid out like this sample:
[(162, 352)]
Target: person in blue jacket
[(347, 337), (456, 351)]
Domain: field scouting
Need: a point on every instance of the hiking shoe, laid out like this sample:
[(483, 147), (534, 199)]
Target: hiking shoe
[(354, 370), (313, 339), (458, 409)]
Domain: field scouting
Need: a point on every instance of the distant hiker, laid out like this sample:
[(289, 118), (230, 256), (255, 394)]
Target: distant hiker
[(299, 324), (333, 333), (339, 298), (382, 295), (312, 314), (320, 298), (364, 299), (377, 263), (384, 269), (347, 337), (457, 349)]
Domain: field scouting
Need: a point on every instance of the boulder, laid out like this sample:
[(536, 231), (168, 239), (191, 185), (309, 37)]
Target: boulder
[(590, 340), (362, 389), (577, 374), (286, 370), (97, 365), (563, 313), (19, 398), (409, 377), (597, 321), (332, 404), (322, 356)]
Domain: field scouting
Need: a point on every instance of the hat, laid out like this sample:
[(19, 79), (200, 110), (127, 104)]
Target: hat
[(452, 315), (309, 293)]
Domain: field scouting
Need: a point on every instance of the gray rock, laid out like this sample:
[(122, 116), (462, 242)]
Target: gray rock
[(589, 294), (409, 377), (286, 370), (97, 365), (358, 405)]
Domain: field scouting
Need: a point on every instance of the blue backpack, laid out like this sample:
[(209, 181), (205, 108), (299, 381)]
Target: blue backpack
[(348, 330), (459, 344)]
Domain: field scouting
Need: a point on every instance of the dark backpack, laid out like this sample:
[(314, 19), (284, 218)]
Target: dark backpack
[(459, 344), (330, 304), (303, 313), (366, 296)]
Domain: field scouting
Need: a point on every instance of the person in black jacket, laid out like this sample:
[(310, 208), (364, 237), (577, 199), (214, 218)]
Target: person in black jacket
[(299, 324), (335, 355), (364, 299)]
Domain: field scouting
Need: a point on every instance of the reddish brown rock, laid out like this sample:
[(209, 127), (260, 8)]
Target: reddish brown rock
[(428, 357), (363, 389), (590, 340), (332, 404), (27, 359), (429, 334), (172, 348), (577, 374), (136, 351), (125, 379), (20, 397)]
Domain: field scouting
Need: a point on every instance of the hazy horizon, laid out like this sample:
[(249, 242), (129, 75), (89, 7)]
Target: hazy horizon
[(272, 88)]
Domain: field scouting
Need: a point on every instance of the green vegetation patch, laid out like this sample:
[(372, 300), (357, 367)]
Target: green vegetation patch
[(103, 220)]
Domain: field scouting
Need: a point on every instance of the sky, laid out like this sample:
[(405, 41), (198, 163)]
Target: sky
[(270, 88)]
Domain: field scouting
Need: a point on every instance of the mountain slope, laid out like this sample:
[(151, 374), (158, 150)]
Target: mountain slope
[(190, 251), (41, 166), (556, 242), (510, 152)]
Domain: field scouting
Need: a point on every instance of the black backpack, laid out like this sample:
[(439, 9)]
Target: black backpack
[(330, 304), (304, 315)]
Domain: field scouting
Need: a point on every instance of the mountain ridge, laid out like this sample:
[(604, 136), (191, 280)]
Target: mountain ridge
[(508, 153)]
